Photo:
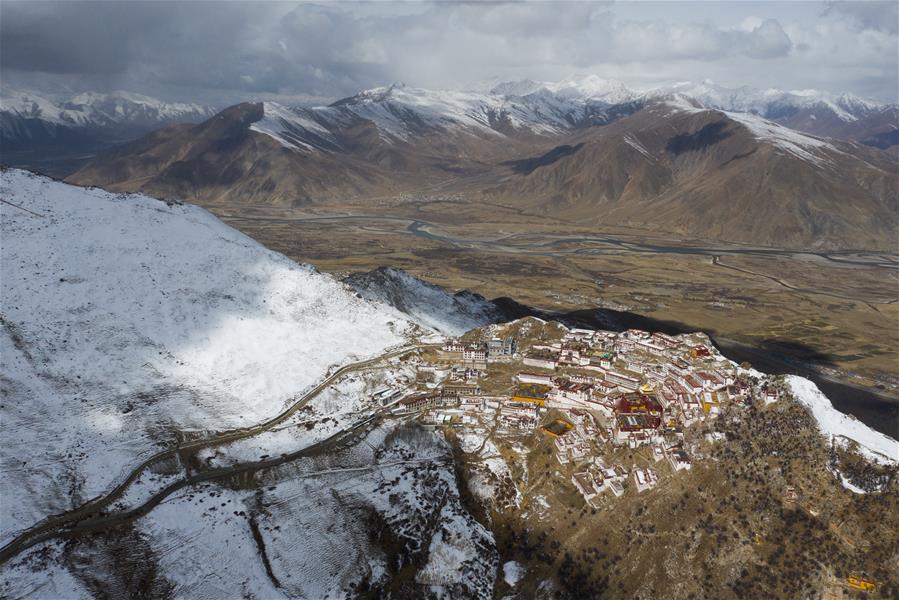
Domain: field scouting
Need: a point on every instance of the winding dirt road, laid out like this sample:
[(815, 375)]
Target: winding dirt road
[(90, 517)]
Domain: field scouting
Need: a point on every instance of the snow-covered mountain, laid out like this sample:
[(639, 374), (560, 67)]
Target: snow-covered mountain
[(400, 113), (130, 324), (37, 125), (32, 122), (772, 103), (841, 116), (769, 103), (100, 109), (154, 318), (92, 109)]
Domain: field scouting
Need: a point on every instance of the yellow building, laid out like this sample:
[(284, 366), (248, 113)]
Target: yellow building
[(857, 583)]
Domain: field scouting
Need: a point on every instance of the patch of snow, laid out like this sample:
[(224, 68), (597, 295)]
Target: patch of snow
[(471, 439), (513, 572), (681, 103), (335, 409), (844, 481), (634, 143), (458, 538)]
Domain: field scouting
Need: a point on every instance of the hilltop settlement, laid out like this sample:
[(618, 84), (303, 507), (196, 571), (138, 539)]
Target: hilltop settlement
[(568, 434), (592, 392)]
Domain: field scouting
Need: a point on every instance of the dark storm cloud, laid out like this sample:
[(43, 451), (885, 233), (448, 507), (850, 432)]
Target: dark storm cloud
[(68, 37), (234, 50)]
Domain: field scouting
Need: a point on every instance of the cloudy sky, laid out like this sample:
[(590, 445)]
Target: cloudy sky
[(223, 52)]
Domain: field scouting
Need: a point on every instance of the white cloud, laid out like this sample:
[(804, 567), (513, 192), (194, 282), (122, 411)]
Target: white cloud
[(768, 40)]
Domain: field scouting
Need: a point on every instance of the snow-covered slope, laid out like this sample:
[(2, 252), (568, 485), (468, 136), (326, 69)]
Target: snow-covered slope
[(399, 110), (318, 527), (873, 444), (798, 144), (293, 129), (126, 320), (427, 304)]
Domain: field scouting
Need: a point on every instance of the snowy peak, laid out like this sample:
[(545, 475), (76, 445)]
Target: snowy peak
[(591, 88), (122, 106), (771, 103), (400, 111), (29, 105), (96, 110), (522, 87), (595, 88)]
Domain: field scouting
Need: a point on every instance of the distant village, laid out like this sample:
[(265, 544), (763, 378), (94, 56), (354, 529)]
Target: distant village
[(607, 391)]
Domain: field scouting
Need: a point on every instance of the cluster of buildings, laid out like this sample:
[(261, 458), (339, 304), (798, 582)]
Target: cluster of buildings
[(480, 353), (641, 382), (615, 390), (598, 479), (635, 389)]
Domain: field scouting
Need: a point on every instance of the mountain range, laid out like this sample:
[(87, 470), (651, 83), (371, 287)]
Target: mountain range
[(693, 161), (27, 115)]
